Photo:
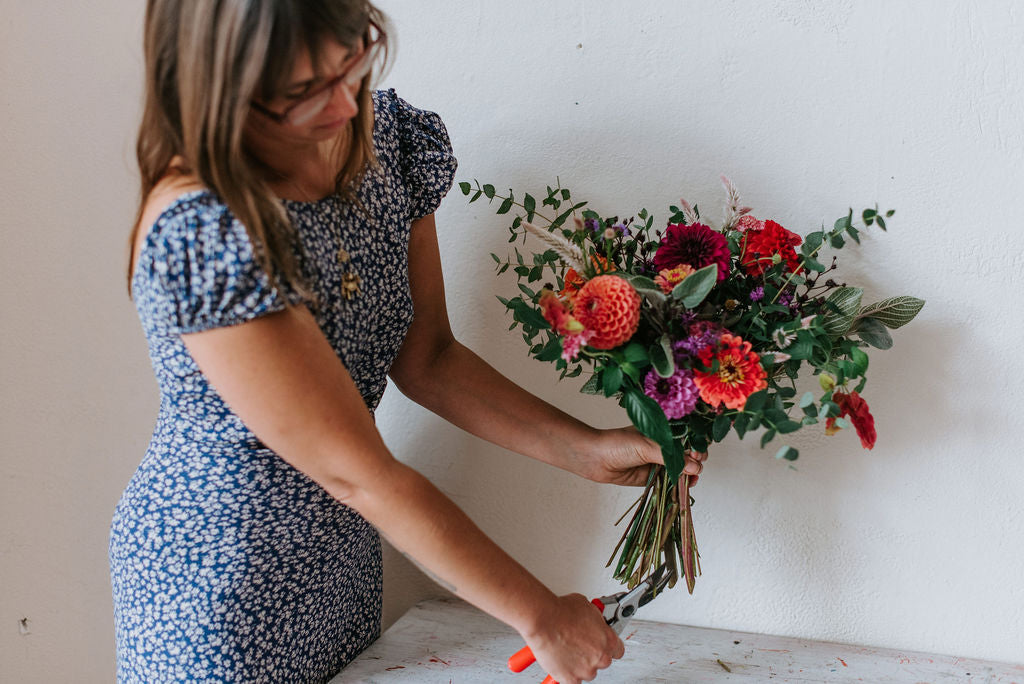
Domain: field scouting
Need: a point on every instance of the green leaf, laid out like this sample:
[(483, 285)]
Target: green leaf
[(591, 386), (489, 191), (645, 287), (788, 453), (893, 312), (696, 286), (874, 333), (814, 265), (529, 204), (647, 416), (720, 428), (787, 426), (662, 357), (611, 379), (505, 206), (807, 400), (465, 187), (552, 351), (632, 371), (813, 242), (860, 360), (847, 301), (740, 424), (635, 352), (755, 402), (767, 437)]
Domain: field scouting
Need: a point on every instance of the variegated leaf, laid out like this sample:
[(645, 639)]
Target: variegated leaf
[(893, 312), (847, 300)]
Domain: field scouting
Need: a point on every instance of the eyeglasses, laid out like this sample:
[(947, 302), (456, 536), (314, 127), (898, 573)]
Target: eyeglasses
[(311, 104)]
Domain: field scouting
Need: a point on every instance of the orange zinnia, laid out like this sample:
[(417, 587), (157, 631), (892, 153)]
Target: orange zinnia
[(738, 376)]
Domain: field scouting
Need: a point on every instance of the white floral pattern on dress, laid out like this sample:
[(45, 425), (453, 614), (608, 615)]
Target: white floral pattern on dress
[(227, 563)]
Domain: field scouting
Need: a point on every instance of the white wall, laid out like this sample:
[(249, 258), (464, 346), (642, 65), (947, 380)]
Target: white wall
[(809, 107)]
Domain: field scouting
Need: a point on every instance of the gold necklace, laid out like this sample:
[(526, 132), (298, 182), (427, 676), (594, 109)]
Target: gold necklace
[(350, 280)]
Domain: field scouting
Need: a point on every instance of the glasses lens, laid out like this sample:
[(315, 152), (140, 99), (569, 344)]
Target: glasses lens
[(306, 111)]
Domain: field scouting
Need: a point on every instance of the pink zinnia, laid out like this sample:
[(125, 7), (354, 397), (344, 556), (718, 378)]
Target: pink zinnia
[(676, 395), (695, 245)]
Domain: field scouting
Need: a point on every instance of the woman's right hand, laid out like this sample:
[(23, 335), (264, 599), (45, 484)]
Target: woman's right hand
[(572, 641)]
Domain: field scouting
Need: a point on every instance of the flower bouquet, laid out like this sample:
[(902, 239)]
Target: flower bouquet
[(697, 331)]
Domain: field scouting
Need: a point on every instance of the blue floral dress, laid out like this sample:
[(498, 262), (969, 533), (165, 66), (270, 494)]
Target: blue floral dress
[(227, 563)]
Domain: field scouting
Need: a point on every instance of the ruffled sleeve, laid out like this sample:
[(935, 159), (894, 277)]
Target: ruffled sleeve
[(198, 270), (426, 161)]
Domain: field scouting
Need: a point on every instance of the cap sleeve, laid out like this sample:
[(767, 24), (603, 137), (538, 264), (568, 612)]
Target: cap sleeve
[(200, 270), (426, 160)]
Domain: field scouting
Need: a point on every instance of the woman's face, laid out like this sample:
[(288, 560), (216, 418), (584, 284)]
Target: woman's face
[(313, 107)]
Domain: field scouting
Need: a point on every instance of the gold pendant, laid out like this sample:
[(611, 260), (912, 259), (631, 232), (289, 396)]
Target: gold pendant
[(343, 256), (350, 283)]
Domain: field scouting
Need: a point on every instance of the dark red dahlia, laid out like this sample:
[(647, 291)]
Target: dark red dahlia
[(760, 246), (695, 245)]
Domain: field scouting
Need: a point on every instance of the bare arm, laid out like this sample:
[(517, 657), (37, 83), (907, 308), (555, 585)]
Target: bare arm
[(281, 377), (441, 374)]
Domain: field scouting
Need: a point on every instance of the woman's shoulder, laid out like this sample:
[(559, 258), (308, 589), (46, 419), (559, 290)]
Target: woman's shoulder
[(173, 196)]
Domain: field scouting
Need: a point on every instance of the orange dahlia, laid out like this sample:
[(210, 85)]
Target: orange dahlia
[(738, 376), (573, 281), (609, 307)]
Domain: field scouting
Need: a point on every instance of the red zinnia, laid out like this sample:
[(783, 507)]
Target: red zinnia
[(853, 406), (695, 245), (760, 245), (739, 372), (609, 307)]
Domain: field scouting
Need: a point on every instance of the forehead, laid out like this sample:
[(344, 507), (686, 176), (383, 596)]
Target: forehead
[(331, 54)]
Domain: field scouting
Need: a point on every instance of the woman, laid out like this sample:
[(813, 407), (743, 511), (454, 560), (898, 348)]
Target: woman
[(284, 262)]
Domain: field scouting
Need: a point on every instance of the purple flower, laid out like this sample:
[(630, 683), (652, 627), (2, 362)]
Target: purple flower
[(622, 229), (785, 299), (676, 395), (757, 294), (702, 334), (591, 225)]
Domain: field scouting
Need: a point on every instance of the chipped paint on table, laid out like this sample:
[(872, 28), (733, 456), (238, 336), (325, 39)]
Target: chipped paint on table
[(448, 641)]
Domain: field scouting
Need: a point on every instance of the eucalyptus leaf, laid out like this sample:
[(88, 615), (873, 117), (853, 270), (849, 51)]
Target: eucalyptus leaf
[(788, 453)]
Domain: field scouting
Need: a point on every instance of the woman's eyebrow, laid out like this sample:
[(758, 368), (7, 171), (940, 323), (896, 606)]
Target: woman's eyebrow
[(347, 59)]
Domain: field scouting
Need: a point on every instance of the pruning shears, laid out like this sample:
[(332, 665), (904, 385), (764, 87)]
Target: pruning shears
[(617, 610)]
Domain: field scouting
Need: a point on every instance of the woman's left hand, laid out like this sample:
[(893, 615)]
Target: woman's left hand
[(624, 456)]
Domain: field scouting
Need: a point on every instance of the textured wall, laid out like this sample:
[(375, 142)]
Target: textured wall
[(808, 106)]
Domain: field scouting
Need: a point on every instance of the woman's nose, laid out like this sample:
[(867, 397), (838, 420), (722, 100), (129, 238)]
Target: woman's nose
[(343, 101)]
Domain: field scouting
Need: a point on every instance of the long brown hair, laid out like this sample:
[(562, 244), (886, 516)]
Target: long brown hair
[(205, 62)]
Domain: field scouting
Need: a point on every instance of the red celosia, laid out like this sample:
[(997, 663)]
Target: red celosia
[(609, 308), (738, 376), (761, 245), (854, 407), (695, 245)]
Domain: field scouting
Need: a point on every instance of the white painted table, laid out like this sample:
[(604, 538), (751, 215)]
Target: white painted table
[(448, 641)]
